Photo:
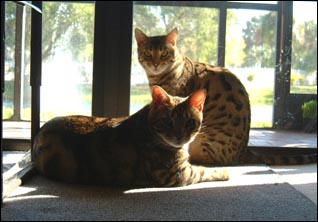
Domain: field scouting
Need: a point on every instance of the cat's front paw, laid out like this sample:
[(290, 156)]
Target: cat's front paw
[(221, 174)]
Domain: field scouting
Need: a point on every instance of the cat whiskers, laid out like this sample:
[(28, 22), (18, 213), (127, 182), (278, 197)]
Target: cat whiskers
[(156, 142), (202, 130)]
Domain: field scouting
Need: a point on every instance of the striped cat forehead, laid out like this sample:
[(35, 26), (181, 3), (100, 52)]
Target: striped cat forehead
[(142, 38), (177, 99), (141, 34), (156, 42)]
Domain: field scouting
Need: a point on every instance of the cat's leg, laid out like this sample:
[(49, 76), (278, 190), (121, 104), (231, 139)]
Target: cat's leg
[(53, 160), (197, 174)]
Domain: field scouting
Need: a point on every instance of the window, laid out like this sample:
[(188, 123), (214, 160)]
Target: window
[(17, 45), (243, 36), (67, 59), (250, 54), (304, 48), (67, 62), (250, 47), (68, 34)]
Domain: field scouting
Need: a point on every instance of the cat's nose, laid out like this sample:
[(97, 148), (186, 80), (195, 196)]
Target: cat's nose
[(155, 65), (179, 138)]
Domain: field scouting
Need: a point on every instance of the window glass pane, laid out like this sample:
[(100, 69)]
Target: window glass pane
[(198, 28), (67, 58), (304, 48), (67, 54), (250, 54), (10, 21), (17, 62)]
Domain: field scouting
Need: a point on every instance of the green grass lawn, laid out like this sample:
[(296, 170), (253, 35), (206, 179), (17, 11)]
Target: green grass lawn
[(260, 97), (303, 89), (140, 95)]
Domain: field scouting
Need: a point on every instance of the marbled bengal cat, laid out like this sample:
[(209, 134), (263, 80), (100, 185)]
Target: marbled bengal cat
[(224, 136)]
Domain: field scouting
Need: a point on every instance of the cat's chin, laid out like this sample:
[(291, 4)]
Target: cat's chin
[(155, 71), (176, 145)]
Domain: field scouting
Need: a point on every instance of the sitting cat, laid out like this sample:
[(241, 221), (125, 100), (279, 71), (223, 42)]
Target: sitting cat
[(224, 138), (149, 148)]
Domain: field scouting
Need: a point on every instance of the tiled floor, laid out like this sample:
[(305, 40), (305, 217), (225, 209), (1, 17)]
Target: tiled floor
[(279, 138)]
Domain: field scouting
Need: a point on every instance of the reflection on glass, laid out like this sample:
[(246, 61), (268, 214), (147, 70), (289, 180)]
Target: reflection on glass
[(304, 51), (198, 28), (250, 54)]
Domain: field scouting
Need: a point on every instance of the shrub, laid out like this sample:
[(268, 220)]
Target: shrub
[(309, 109)]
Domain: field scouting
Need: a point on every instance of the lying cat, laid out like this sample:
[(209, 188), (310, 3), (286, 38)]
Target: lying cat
[(149, 148)]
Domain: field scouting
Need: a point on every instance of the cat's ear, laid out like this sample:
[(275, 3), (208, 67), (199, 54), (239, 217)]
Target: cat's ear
[(197, 99), (160, 97), (140, 36), (172, 37)]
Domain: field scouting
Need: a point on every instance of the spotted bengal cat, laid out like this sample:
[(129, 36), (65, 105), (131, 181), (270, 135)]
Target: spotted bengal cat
[(149, 148), (225, 133)]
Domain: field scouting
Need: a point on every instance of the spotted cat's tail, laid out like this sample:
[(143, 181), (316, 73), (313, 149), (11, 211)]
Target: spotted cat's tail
[(279, 156)]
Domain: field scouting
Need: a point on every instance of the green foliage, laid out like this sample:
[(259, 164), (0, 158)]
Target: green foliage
[(260, 39), (251, 77), (64, 24), (259, 36), (6, 112), (309, 109), (296, 78), (68, 24), (155, 20), (304, 53), (8, 91)]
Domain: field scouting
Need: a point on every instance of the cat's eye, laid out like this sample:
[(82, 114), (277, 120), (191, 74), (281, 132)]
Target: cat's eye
[(147, 54), (191, 123), (167, 122), (164, 53)]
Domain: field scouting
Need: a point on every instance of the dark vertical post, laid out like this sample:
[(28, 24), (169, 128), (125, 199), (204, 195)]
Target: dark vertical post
[(36, 69), (112, 58), (222, 34), (283, 62)]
